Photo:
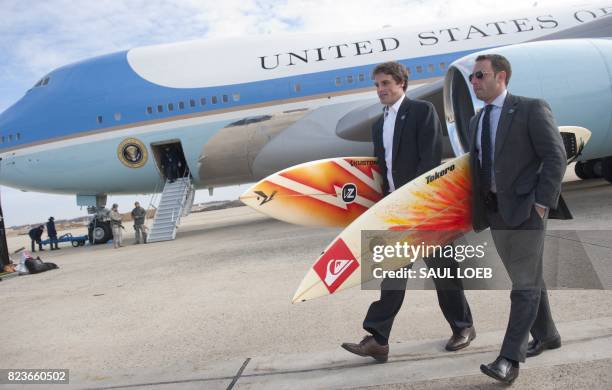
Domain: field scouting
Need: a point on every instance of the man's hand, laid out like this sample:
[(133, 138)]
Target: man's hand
[(541, 211)]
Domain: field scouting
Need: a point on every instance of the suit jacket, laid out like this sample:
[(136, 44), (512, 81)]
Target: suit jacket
[(417, 142), (529, 164)]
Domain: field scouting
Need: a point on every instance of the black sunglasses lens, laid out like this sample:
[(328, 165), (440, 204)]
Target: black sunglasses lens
[(479, 75)]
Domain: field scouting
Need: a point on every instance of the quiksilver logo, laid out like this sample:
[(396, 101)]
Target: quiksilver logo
[(335, 268), (439, 174)]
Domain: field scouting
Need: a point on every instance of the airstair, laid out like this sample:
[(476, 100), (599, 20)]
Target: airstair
[(176, 202)]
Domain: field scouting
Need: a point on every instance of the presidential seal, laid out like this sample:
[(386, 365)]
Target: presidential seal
[(132, 153)]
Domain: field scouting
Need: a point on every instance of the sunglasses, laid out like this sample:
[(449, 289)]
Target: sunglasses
[(479, 75)]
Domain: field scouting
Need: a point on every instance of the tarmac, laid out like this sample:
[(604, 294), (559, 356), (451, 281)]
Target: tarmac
[(212, 310)]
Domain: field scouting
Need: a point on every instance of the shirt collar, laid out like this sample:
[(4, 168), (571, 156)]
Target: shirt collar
[(499, 100), (395, 107)]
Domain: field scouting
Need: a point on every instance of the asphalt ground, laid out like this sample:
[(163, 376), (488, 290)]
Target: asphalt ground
[(212, 309)]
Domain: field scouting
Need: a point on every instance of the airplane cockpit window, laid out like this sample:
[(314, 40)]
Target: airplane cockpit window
[(45, 81)]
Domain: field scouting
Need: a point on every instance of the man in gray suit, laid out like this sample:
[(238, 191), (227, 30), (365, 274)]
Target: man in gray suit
[(518, 161)]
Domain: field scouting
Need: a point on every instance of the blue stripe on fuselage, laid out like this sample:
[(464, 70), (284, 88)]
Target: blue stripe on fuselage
[(103, 86)]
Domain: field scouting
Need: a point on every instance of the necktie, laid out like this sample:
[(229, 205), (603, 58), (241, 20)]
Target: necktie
[(385, 112), (485, 145)]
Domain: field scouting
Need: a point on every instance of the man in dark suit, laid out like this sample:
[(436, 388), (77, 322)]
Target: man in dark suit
[(518, 161), (408, 142)]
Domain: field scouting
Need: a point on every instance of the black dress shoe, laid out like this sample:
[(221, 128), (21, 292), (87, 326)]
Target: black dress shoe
[(501, 369), (461, 339), (536, 347)]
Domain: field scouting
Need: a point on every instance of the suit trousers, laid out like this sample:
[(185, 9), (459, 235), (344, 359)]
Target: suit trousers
[(381, 314), (521, 249)]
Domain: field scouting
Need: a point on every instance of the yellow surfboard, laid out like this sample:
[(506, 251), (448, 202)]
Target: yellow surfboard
[(434, 208)]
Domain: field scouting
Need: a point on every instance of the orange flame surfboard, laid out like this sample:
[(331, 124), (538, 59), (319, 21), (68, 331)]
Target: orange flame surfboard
[(433, 208), (331, 192)]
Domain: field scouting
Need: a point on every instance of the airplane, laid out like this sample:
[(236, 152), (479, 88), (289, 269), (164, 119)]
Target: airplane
[(236, 110)]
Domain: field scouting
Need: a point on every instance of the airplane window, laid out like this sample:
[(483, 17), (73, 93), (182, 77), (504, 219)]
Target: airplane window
[(213, 100), (419, 69), (203, 101), (297, 87), (160, 108), (236, 97), (10, 137), (18, 136), (430, 68), (349, 79), (170, 107), (2, 140), (181, 105), (338, 81), (117, 116), (191, 103), (45, 81), (361, 77), (408, 69), (149, 110), (225, 98), (99, 118), (442, 65)]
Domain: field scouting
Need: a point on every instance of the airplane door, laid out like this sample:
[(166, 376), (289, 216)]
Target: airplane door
[(170, 159)]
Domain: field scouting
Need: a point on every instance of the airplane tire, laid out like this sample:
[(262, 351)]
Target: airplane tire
[(579, 168), (100, 234), (606, 169), (597, 168)]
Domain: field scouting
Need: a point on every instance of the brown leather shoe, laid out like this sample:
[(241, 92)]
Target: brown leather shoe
[(369, 347), (461, 339)]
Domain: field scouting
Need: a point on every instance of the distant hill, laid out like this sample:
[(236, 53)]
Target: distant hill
[(66, 224)]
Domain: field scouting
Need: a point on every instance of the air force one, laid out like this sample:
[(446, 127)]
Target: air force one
[(236, 110)]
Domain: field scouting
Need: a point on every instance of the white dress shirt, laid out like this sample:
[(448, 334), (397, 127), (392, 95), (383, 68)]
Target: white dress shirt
[(390, 115)]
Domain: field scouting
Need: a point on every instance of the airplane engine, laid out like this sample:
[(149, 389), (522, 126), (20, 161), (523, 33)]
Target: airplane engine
[(573, 76)]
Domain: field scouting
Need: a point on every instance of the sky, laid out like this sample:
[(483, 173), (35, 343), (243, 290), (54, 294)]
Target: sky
[(38, 36)]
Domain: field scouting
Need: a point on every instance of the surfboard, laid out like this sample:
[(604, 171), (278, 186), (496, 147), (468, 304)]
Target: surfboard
[(434, 209), (334, 192), (326, 193)]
